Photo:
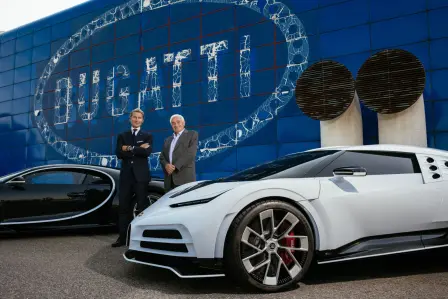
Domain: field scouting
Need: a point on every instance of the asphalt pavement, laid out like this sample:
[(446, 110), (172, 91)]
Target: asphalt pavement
[(83, 265)]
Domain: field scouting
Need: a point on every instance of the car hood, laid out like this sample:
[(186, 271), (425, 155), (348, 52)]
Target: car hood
[(183, 193)]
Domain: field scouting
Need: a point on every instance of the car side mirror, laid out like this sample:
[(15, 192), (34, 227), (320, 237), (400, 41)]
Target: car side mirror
[(350, 171), (16, 181)]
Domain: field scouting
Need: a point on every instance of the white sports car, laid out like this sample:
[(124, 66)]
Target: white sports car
[(265, 225)]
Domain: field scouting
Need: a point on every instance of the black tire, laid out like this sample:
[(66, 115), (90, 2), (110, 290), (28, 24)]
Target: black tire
[(152, 197), (236, 248)]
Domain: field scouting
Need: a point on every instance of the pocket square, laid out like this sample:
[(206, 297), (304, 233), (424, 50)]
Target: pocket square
[(139, 141)]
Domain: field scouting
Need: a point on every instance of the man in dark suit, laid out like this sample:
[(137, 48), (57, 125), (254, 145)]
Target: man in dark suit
[(178, 154), (133, 148)]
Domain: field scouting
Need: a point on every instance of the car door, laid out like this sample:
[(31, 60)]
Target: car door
[(44, 195), (435, 175), (99, 190), (391, 198)]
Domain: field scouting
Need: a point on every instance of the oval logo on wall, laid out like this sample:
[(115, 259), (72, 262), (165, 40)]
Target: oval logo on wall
[(119, 101)]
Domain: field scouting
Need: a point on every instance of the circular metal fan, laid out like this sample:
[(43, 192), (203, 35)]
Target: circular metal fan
[(390, 81), (325, 90)]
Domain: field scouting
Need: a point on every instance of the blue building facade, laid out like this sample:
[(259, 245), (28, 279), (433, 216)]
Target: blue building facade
[(68, 82)]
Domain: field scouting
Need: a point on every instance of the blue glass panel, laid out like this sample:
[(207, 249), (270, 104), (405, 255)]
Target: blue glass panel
[(7, 63), (101, 145), (346, 41), (184, 11), (442, 140), (432, 4), (106, 34), (290, 148), (8, 48), (263, 82), (186, 30), (218, 21), (22, 89), (249, 156), (127, 45), (23, 58), (21, 105), (128, 26), (439, 59), (35, 152), (299, 6), (5, 122), (24, 43), (225, 162), (103, 52), (400, 31), (343, 15), (386, 9), (41, 53), (217, 112), (34, 137), (246, 16), (439, 86), (60, 30), (6, 93), (101, 127), (22, 74), (51, 155), (260, 34), (20, 122), (154, 38), (156, 18), (298, 128), (6, 78), (42, 37), (262, 57), (440, 119), (323, 3)]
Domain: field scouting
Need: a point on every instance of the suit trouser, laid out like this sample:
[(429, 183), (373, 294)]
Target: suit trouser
[(170, 186), (129, 186)]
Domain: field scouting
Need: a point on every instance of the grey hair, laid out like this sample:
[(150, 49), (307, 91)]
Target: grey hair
[(137, 110), (177, 115)]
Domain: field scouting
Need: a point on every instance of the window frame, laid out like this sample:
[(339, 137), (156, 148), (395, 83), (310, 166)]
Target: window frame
[(391, 154), (54, 170)]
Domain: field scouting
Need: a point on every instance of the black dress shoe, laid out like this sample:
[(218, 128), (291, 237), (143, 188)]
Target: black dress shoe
[(120, 242)]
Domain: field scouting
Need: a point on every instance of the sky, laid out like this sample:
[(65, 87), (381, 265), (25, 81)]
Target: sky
[(15, 13)]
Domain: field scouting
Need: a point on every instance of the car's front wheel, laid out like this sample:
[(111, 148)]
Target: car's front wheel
[(270, 246)]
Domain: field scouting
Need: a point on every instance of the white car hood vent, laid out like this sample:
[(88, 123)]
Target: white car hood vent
[(194, 187)]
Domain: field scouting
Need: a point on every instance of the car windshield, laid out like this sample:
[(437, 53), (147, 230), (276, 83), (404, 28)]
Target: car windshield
[(268, 169)]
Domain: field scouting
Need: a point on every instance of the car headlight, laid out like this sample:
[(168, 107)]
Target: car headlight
[(196, 202)]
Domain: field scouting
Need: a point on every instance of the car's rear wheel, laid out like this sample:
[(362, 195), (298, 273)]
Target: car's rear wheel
[(270, 246), (152, 198)]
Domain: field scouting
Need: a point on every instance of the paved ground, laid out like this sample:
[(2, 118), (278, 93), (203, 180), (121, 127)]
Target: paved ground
[(85, 266)]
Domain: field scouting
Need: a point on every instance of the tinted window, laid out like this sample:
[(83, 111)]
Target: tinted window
[(295, 165), (375, 162), (96, 178), (58, 177)]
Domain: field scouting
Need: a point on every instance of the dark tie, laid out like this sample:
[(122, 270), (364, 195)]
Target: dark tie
[(134, 135)]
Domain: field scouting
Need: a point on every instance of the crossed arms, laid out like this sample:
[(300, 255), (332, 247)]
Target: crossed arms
[(124, 151)]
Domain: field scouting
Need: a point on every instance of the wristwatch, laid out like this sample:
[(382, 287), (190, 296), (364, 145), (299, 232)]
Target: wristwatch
[(130, 148)]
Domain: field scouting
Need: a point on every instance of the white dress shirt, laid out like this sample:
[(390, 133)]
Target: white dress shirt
[(136, 132), (173, 144)]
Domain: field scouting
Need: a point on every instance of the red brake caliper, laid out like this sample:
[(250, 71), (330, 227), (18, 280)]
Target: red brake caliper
[(289, 242)]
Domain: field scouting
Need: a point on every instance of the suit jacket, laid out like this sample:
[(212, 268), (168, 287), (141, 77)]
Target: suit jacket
[(134, 162), (184, 156)]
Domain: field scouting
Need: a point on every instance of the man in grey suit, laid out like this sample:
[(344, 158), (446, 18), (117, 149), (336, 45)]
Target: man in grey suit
[(178, 154)]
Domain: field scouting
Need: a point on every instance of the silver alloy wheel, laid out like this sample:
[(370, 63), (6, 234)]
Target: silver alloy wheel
[(273, 253), (152, 198)]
